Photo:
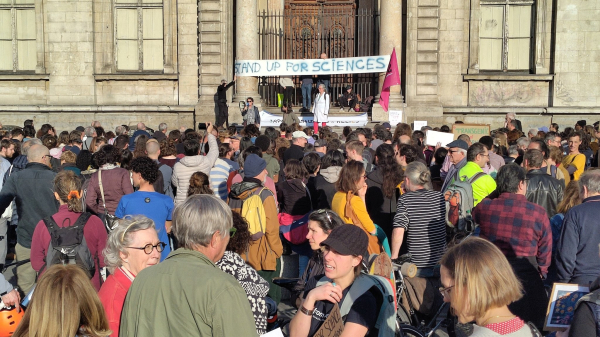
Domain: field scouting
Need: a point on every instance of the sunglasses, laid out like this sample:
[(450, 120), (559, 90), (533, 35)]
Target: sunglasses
[(321, 211), (232, 231)]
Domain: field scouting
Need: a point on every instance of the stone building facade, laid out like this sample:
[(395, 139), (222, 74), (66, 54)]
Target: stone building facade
[(70, 62)]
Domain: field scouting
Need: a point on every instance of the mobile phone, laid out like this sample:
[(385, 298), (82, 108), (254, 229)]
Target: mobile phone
[(201, 126)]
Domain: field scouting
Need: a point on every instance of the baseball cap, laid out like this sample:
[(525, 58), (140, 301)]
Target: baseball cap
[(299, 134), (461, 144), (347, 240), (320, 143)]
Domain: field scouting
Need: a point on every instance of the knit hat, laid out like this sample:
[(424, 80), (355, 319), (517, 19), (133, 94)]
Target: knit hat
[(254, 165), (263, 142), (347, 240)]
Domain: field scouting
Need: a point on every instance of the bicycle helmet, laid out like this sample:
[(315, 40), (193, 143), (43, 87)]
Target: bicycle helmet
[(9, 320)]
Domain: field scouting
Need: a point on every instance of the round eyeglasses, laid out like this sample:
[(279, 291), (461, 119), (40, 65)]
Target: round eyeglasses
[(149, 247)]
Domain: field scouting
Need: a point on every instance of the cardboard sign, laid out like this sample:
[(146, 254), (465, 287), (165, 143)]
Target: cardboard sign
[(434, 137), (344, 65), (395, 117), (333, 325), (419, 124), (475, 131)]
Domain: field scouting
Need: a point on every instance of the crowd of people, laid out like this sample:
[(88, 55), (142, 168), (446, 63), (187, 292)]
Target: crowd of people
[(181, 232)]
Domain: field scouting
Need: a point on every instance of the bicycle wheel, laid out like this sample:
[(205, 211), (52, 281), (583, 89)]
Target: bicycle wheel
[(408, 331)]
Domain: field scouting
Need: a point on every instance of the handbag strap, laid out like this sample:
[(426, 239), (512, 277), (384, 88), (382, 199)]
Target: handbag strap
[(101, 189)]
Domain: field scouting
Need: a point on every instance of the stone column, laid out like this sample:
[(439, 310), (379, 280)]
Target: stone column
[(246, 35), (390, 29)]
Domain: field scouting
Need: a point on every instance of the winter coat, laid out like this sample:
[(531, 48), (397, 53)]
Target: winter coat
[(325, 187), (293, 197), (183, 170), (265, 249), (116, 183), (381, 209)]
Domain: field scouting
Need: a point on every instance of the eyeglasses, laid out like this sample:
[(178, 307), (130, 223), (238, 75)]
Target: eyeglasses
[(249, 102), (445, 291), (232, 231), (485, 155), (149, 247), (46, 155)]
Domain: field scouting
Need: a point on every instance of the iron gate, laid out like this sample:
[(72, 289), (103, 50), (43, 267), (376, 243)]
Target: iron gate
[(306, 31)]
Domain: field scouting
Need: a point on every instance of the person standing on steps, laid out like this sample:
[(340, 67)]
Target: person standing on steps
[(223, 116), (320, 108)]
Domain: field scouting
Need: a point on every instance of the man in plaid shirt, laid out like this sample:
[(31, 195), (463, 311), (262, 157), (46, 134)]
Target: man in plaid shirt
[(521, 230)]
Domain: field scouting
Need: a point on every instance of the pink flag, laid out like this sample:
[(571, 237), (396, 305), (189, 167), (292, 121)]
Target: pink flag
[(392, 77)]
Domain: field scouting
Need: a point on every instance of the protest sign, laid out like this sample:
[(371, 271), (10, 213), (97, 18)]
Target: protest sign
[(475, 131), (333, 325), (269, 119), (434, 137), (345, 65), (419, 124), (395, 117)]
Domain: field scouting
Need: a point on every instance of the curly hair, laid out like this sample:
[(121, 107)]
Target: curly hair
[(68, 157), (167, 148), (199, 184), (241, 240), (108, 154), (390, 169), (146, 167), (84, 160)]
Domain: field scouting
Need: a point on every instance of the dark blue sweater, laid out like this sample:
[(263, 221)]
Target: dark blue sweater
[(577, 258)]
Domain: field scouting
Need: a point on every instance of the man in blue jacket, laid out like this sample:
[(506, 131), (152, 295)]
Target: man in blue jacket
[(577, 259)]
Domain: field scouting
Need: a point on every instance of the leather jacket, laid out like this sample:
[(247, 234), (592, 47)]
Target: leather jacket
[(544, 190)]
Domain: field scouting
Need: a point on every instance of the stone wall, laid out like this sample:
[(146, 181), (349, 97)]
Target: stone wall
[(77, 82), (577, 62)]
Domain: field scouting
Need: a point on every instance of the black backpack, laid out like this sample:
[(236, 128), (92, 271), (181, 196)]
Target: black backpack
[(68, 245)]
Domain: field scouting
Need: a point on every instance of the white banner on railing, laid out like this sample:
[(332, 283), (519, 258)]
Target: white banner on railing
[(269, 119), (346, 65)]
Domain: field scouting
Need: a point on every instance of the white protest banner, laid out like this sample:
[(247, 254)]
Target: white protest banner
[(419, 124), (269, 119), (434, 137), (395, 117), (346, 65)]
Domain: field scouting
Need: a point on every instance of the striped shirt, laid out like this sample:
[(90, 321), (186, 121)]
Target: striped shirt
[(422, 214), (218, 178)]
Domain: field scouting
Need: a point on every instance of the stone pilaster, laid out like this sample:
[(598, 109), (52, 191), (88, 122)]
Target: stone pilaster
[(246, 35), (390, 38)]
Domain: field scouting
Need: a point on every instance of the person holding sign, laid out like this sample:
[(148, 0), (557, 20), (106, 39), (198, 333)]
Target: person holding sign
[(318, 314), (320, 108)]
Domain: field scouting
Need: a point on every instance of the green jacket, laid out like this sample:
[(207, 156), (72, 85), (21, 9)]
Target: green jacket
[(186, 295)]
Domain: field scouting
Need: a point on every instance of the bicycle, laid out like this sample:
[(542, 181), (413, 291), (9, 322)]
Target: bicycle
[(408, 323)]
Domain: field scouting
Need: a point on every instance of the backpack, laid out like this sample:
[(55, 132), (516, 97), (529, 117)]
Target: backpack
[(386, 320), (68, 245), (459, 203), (253, 211)]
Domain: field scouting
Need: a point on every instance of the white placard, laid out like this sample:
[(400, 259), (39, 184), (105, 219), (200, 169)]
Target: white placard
[(395, 117), (419, 124), (269, 119), (343, 65), (275, 333), (434, 137)]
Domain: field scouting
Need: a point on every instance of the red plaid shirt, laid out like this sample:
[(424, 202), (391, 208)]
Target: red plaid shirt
[(516, 226)]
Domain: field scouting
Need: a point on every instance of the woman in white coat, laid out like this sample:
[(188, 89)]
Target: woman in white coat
[(320, 108)]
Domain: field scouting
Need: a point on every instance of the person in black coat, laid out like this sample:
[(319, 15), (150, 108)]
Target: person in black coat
[(382, 188), (324, 182), (223, 116)]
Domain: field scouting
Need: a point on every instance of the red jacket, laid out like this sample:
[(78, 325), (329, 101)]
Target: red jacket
[(94, 233), (112, 295)]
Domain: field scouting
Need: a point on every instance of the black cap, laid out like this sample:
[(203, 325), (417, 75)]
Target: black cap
[(347, 240), (348, 87)]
